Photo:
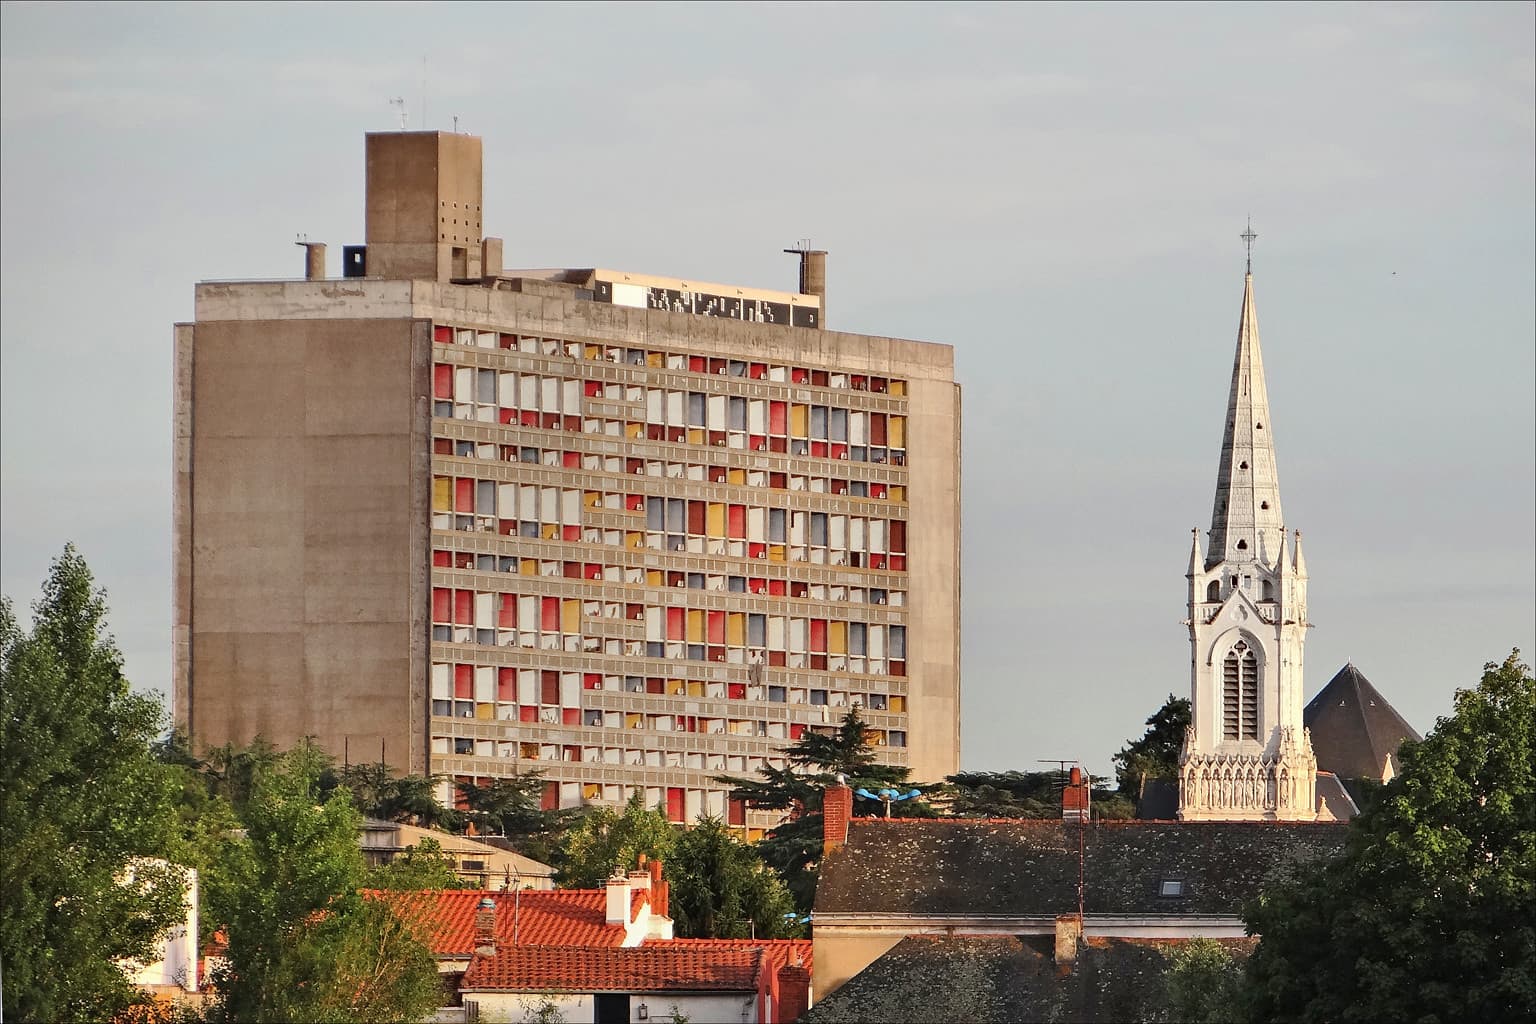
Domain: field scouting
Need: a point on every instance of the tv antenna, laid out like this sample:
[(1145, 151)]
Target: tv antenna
[(399, 101)]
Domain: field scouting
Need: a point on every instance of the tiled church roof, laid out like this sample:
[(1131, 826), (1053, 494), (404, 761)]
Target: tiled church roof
[(1354, 729)]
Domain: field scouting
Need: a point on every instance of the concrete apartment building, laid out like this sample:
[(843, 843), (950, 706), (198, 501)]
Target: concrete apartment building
[(629, 531)]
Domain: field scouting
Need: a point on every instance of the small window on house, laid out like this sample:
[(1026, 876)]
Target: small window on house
[(1171, 887)]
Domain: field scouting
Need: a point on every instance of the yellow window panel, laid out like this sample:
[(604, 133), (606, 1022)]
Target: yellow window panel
[(898, 432), (898, 388), (442, 494)]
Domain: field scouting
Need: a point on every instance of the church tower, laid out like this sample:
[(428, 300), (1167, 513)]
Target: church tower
[(1247, 756)]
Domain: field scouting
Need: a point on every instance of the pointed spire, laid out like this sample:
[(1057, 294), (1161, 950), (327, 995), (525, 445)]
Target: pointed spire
[(1246, 520), (1284, 567), (1301, 561), (1196, 563)]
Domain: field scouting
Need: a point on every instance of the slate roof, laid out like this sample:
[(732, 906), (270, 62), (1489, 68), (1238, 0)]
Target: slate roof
[(1341, 803), (1018, 868), (561, 917), (664, 967), (1354, 729), (979, 980)]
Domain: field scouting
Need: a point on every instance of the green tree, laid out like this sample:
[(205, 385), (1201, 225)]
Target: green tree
[(303, 943), (1156, 754), (721, 889), (83, 803), (814, 762), (1202, 983), (1015, 794), (423, 866), (603, 842), (378, 792), (513, 808), (1429, 912)]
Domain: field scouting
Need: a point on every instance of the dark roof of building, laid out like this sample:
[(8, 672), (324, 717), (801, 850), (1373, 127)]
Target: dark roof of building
[(1354, 729), (1159, 800), (660, 968), (981, 980), (1030, 868), (1330, 789)]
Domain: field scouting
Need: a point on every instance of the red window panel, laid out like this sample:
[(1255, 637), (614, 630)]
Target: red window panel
[(736, 522), (463, 607), (464, 682), (507, 615), (776, 658), (463, 495), (819, 661), (634, 611), (528, 418), (591, 681), (736, 691), (758, 442), (776, 588), (898, 563), (898, 668), (634, 502), (716, 621), (800, 375), (571, 460), (819, 378), (757, 586), (859, 383), (756, 550), (778, 481), (674, 803), (571, 570), (778, 444), (550, 800), (528, 713), (697, 364), (898, 535), (654, 684), (877, 429), (506, 417), (717, 474), (593, 389), (716, 653), (877, 561), (677, 624), (717, 365), (506, 527), (442, 335), (507, 341), (549, 687), (696, 518), (442, 381), (464, 560), (736, 812), (443, 559), (839, 450), (757, 371), (442, 604), (819, 449), (877, 490), (778, 418), (634, 466), (570, 532), (549, 615), (573, 753), (573, 423), (460, 801), (506, 684), (593, 570), (819, 635), (688, 723), (796, 730), (550, 421), (571, 716), (442, 446)]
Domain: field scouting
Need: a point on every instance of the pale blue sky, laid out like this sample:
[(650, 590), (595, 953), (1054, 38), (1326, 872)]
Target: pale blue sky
[(1055, 190)]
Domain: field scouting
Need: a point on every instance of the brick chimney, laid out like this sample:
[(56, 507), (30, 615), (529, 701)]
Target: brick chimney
[(836, 811), (1069, 932), (660, 890), (1074, 799), (794, 994), (485, 927)]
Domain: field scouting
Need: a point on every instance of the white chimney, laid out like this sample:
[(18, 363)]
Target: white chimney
[(618, 900)]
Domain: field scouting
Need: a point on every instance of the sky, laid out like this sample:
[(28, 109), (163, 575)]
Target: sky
[(1056, 191)]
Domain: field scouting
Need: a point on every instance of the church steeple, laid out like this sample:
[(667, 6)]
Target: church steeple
[(1247, 755), (1246, 524)]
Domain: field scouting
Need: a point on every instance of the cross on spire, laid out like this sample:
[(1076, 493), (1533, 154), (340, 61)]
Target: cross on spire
[(1248, 236)]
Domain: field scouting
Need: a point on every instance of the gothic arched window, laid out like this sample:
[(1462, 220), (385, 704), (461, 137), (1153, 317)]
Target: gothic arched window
[(1240, 693)]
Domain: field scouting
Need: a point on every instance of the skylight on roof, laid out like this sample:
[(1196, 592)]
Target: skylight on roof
[(1171, 887)]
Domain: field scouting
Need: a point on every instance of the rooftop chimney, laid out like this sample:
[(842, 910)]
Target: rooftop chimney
[(813, 275), (794, 993), (1074, 799), (314, 260), (618, 900), (1069, 931), (836, 810), (485, 927), (423, 216)]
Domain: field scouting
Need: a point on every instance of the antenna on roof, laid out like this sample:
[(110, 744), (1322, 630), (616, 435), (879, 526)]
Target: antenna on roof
[(399, 101)]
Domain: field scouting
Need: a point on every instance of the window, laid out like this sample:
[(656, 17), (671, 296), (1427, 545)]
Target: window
[(1171, 887), (1240, 689)]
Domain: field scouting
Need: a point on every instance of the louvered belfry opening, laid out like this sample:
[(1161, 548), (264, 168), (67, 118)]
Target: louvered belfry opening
[(1240, 693)]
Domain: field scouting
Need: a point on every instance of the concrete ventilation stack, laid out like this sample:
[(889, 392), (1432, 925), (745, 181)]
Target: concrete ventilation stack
[(813, 276), (314, 261)]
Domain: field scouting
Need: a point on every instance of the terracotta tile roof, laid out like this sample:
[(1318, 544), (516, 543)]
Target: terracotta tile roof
[(1030, 868), (560, 917), (778, 951), (663, 967)]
